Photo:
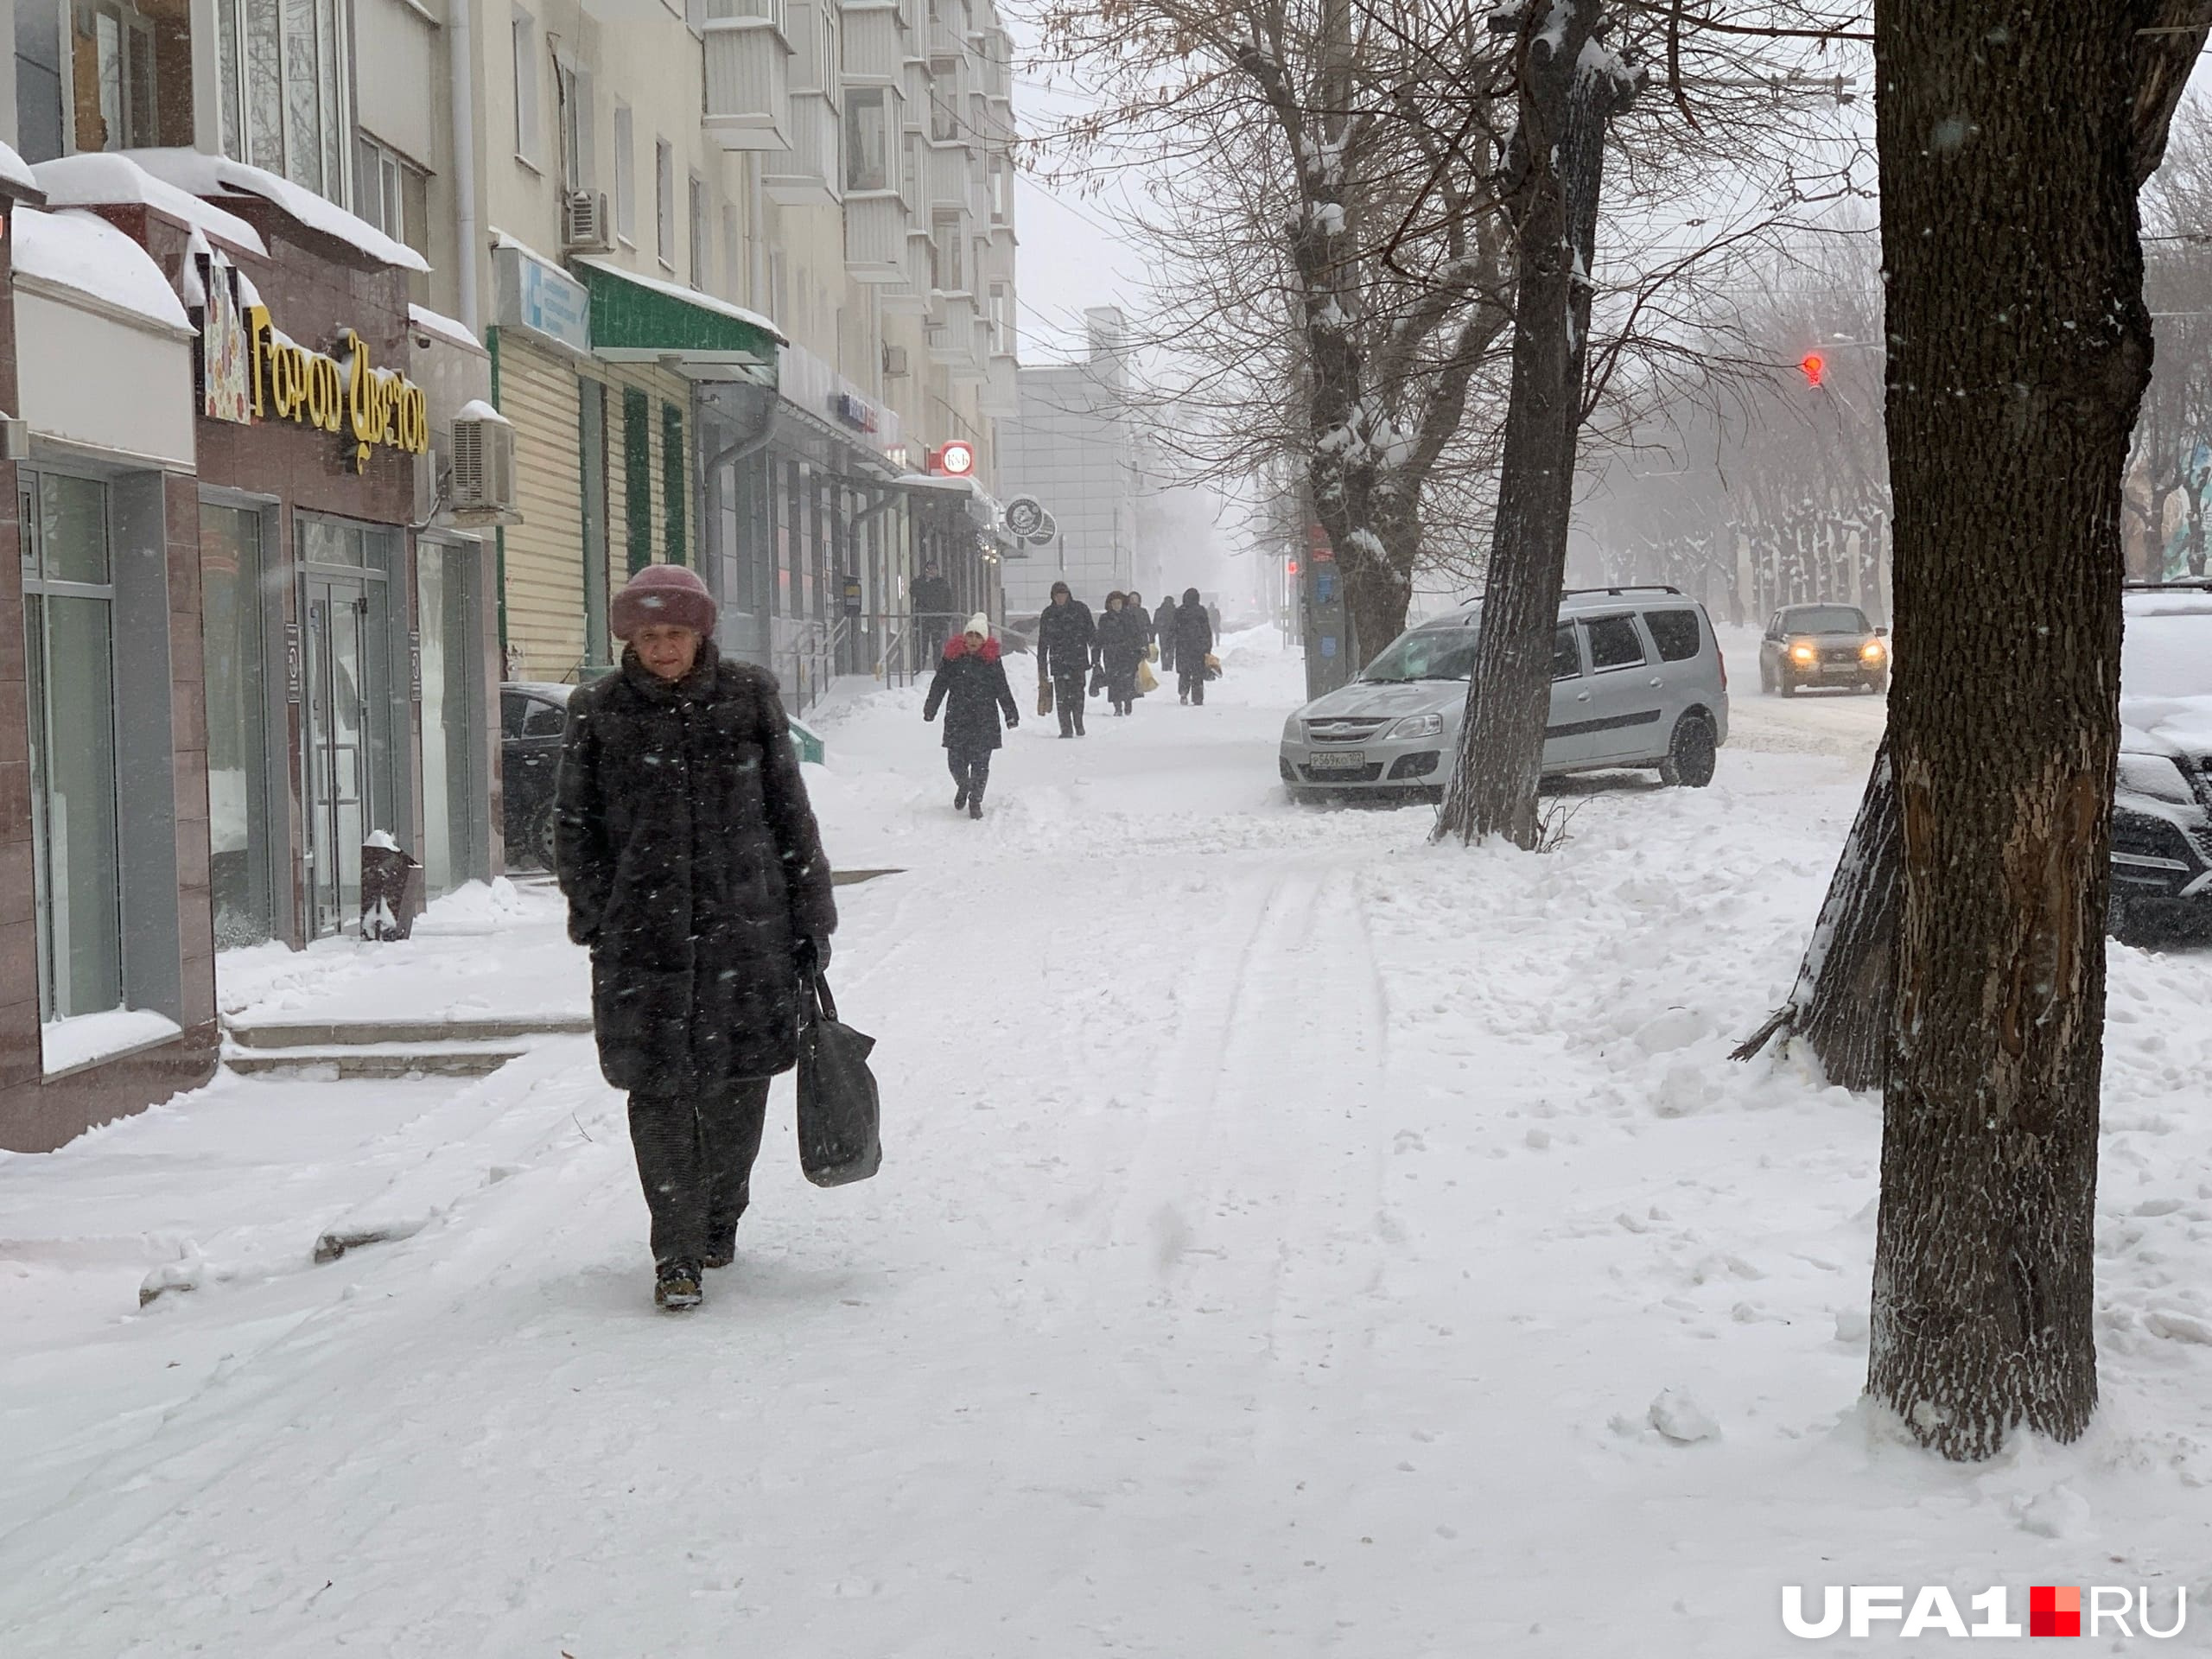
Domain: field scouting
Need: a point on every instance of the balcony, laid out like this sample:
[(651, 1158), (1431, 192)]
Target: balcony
[(875, 45), (1001, 392), (811, 173), (910, 296), (748, 74), (876, 227), (951, 330), (948, 186)]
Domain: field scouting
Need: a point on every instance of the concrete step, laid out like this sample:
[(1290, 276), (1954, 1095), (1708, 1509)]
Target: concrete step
[(351, 1064), (360, 1033)]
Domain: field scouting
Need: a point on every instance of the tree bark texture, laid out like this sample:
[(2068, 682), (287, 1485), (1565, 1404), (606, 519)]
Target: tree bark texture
[(1839, 1007), (1555, 165), (2018, 349)]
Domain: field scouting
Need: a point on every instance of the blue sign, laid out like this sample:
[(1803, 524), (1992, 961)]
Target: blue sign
[(1328, 645), (1324, 587), (541, 299)]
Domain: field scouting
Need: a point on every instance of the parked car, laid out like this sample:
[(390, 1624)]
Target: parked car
[(2162, 806), (1823, 644), (1636, 681), (533, 720)]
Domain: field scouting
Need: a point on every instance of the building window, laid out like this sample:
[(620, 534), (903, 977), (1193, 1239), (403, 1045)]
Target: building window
[(287, 101), (625, 175), (525, 29), (675, 483), (69, 636), (702, 241), (948, 238), (868, 138), (1001, 191), (1002, 318), (392, 193), (237, 783), (945, 93), (577, 167), (638, 477), (665, 202)]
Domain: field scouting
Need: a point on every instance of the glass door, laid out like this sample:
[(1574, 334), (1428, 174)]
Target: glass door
[(345, 663)]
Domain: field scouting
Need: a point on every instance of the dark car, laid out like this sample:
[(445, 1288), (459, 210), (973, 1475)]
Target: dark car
[(533, 720), (1823, 644), (2162, 806)]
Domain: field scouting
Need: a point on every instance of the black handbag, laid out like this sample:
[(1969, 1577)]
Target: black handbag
[(839, 1108)]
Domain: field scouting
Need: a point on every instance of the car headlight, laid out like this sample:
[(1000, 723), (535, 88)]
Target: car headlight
[(1872, 651), (1418, 726), (1802, 654), (2156, 776), (1293, 730)]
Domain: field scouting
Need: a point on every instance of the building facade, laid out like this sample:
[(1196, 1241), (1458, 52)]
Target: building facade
[(1074, 448)]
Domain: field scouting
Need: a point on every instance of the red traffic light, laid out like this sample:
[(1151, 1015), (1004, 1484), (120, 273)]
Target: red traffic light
[(1294, 567), (1814, 368)]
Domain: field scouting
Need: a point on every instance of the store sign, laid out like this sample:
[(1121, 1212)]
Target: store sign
[(855, 412), (541, 299), (954, 460), (226, 362), (348, 395)]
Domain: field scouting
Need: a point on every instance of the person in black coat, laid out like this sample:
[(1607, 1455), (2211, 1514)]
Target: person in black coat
[(970, 687), (1163, 628), (933, 611), (1120, 648), (695, 875), (1067, 643), (1193, 642)]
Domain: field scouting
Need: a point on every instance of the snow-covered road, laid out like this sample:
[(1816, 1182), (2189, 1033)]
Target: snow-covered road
[(1285, 1231)]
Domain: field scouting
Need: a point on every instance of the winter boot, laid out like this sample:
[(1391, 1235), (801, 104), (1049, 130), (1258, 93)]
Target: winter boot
[(675, 1286), (1067, 720), (975, 798), (722, 1251), (1079, 731), (960, 797)]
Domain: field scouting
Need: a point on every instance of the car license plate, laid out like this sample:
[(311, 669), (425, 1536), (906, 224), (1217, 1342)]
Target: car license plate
[(1339, 760)]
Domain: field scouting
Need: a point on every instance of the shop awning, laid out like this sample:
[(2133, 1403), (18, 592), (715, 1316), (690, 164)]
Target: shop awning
[(640, 319)]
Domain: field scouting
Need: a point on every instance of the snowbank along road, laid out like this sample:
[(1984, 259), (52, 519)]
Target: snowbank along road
[(1293, 1239)]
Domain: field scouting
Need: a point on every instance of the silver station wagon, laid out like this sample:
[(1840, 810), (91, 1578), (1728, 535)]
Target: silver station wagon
[(1636, 681)]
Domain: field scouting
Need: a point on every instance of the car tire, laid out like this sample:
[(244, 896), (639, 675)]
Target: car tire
[(537, 839), (1692, 754), (1766, 680), (1880, 686), (1788, 685)]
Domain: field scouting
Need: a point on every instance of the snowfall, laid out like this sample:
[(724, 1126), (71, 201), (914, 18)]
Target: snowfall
[(1293, 1238)]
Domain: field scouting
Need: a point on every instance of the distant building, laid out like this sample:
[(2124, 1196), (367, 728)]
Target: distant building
[(1074, 446)]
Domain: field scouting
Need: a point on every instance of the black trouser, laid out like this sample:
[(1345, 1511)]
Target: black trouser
[(1193, 685), (971, 768), (694, 1160), (1067, 697)]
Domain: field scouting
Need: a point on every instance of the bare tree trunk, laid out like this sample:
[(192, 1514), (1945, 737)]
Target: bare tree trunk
[(1558, 152), (1840, 1007), (2007, 190)]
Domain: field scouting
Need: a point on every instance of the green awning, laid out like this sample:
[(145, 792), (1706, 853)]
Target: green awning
[(640, 319)]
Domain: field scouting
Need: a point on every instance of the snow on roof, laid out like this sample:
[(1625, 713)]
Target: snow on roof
[(84, 252), (446, 328), (477, 409), (691, 296), (95, 180), (13, 171), (217, 175)]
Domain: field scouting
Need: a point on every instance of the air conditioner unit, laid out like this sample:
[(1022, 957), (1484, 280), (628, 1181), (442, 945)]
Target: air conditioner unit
[(585, 227), (894, 363), (483, 463)]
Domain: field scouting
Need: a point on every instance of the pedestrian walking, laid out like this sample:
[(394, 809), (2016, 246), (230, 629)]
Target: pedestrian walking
[(1163, 627), (695, 875), (933, 610), (1193, 645), (1067, 644), (970, 687), (1120, 648)]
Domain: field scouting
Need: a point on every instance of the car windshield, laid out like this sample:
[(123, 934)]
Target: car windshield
[(2167, 655), (1425, 654), (1826, 618)]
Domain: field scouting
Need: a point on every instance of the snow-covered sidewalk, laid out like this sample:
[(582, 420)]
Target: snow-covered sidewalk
[(1287, 1231)]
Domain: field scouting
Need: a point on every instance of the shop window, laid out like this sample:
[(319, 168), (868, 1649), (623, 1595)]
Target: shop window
[(446, 613), (287, 97), (591, 438), (231, 620), (867, 139), (675, 483), (626, 175), (69, 636), (638, 477)]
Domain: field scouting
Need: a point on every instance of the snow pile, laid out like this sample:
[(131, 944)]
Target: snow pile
[(203, 174), (82, 252), (449, 329), (13, 170), (105, 179), (65, 1045)]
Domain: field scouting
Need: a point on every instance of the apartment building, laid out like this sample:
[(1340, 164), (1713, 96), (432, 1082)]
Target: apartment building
[(1074, 446)]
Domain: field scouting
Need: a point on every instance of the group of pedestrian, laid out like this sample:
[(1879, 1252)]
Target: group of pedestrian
[(1078, 653)]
